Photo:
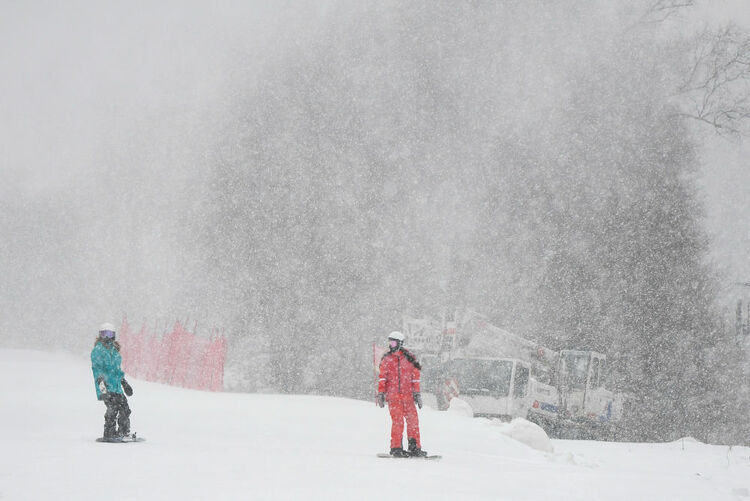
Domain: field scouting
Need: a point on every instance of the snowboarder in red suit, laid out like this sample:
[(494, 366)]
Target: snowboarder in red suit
[(399, 386)]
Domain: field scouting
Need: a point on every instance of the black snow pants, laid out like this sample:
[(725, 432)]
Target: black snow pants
[(117, 417)]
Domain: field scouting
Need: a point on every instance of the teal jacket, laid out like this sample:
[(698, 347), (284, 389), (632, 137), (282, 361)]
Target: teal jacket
[(105, 361)]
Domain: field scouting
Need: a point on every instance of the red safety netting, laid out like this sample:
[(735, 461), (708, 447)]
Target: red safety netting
[(177, 357)]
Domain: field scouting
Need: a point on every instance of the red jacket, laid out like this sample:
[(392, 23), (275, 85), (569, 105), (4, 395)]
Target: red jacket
[(399, 373)]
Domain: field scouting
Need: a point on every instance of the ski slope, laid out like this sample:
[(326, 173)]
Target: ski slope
[(217, 446)]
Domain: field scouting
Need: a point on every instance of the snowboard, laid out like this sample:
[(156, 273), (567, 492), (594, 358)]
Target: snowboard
[(121, 440), (386, 455)]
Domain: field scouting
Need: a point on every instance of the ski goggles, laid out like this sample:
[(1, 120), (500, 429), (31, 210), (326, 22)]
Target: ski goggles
[(394, 343), (107, 334)]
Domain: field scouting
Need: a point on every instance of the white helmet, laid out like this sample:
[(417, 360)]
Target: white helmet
[(106, 326), (398, 336)]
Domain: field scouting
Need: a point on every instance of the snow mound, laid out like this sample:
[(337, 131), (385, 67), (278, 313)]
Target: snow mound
[(461, 407), (687, 439), (527, 433)]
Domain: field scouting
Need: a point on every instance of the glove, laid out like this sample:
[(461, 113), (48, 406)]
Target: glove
[(380, 400), (102, 386), (418, 399), (126, 388)]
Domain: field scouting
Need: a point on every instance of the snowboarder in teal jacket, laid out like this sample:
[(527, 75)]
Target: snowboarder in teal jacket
[(110, 383)]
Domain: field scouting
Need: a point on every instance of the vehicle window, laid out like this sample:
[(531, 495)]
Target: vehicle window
[(576, 370), (520, 384), (595, 373), (482, 377), (430, 373)]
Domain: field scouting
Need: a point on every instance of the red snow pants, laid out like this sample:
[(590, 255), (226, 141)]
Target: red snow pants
[(401, 405)]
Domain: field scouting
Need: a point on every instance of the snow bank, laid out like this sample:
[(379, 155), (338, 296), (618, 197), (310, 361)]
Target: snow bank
[(527, 433), (687, 440), (460, 407)]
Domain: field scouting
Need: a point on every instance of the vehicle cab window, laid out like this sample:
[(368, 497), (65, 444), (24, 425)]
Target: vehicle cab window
[(521, 381), (594, 373)]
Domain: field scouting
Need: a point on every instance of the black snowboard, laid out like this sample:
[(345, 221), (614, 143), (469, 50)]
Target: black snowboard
[(121, 440), (386, 455)]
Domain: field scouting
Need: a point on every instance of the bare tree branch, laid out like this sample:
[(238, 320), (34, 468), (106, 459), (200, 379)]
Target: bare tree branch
[(716, 86), (661, 10)]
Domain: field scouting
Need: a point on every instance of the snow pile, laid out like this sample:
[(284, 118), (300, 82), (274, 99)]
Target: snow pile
[(460, 407), (527, 433), (690, 440)]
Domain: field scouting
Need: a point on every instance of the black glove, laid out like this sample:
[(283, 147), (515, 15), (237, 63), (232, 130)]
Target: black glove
[(418, 399), (101, 385), (126, 388), (380, 400)]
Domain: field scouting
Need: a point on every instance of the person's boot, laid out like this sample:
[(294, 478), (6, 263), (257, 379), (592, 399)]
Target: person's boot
[(399, 452), (415, 451)]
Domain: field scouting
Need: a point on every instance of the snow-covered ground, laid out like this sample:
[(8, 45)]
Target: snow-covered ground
[(238, 446)]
